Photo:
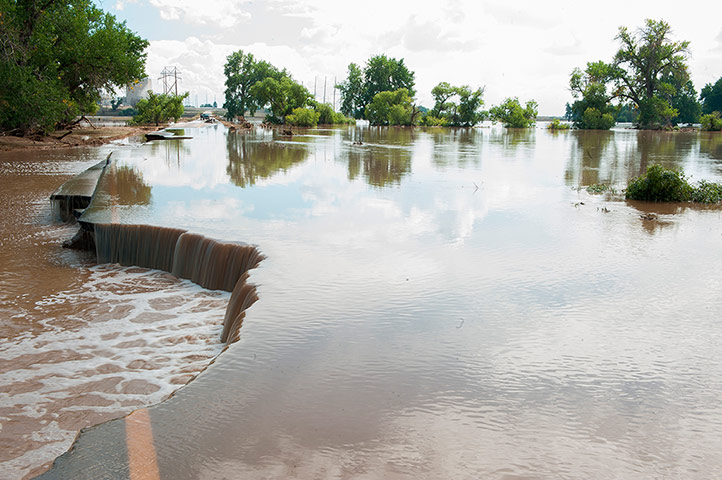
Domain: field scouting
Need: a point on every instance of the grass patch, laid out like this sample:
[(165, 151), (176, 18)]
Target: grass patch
[(661, 184), (600, 188)]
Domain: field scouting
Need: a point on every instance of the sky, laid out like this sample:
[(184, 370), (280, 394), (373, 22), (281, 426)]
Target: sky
[(524, 49)]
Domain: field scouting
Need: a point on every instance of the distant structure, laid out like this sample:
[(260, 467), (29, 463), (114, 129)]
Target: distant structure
[(169, 79), (136, 91)]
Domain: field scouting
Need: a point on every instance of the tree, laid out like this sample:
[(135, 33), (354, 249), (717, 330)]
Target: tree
[(592, 110), (326, 115), (626, 112), (644, 61), (243, 71), (593, 119), (391, 108), (711, 97), (352, 92), (456, 106), (116, 102), (55, 59), (381, 74), (384, 74), (711, 122), (281, 96), (513, 115), (683, 99), (303, 117), (159, 108)]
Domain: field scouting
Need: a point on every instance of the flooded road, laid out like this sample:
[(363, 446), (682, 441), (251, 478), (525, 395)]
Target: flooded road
[(82, 344), (433, 304)]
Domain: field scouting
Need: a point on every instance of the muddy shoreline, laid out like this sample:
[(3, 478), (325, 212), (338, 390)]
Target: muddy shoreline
[(79, 137)]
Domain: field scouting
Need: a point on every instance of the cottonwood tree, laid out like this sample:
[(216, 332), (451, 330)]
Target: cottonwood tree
[(281, 96), (649, 71), (513, 115), (56, 57), (242, 71), (592, 110), (642, 67), (456, 106), (391, 108), (711, 96), (381, 74), (352, 92)]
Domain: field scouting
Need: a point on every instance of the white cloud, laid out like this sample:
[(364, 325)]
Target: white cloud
[(217, 13), (525, 49), (719, 41)]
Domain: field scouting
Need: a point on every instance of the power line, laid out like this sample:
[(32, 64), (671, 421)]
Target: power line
[(170, 76)]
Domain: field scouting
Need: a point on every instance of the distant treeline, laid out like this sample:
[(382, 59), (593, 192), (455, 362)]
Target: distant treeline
[(50, 73), (646, 83)]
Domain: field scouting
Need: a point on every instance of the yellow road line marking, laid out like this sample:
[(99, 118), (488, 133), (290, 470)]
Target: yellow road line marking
[(142, 460)]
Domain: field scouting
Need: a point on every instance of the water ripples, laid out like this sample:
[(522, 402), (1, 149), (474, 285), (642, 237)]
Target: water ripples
[(126, 338)]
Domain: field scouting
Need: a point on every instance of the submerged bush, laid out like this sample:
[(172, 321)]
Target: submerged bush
[(558, 125), (593, 119), (707, 192), (303, 117), (429, 120), (328, 117), (711, 122), (660, 184)]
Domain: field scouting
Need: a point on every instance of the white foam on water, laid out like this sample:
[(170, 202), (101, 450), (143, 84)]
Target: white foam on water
[(132, 337)]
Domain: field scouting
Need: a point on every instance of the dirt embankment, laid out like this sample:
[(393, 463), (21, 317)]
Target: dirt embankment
[(77, 137)]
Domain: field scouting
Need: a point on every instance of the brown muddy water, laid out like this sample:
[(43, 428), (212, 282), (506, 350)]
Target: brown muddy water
[(433, 304)]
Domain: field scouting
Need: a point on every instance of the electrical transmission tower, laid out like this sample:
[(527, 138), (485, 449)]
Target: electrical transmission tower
[(170, 76)]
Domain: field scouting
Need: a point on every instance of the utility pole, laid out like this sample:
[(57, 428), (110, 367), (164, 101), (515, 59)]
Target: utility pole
[(169, 76), (324, 89)]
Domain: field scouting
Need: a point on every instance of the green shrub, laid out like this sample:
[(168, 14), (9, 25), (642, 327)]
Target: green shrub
[(390, 108), (593, 119), (303, 117), (328, 117), (558, 125), (660, 184), (159, 108), (429, 120), (711, 122), (707, 192)]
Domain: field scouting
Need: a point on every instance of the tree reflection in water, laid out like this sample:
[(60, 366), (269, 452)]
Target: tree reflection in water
[(589, 162), (131, 189), (379, 166), (456, 146), (173, 151), (250, 159)]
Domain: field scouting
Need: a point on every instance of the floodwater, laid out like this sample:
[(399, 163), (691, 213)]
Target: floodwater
[(81, 344), (433, 304)]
